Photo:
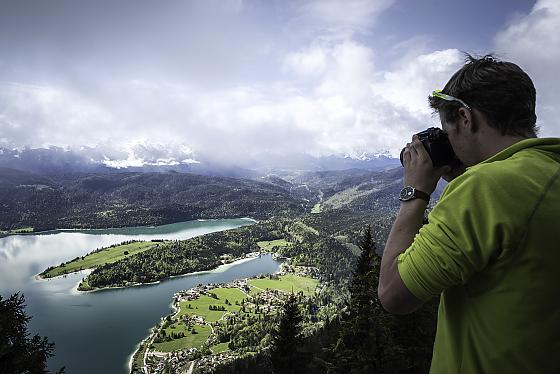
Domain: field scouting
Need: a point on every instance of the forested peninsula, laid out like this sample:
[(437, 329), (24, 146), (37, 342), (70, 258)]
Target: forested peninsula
[(309, 240)]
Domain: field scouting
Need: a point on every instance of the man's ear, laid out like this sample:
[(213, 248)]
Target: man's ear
[(467, 120)]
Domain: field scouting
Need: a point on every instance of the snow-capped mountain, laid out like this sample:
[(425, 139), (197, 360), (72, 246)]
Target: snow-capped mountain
[(158, 157)]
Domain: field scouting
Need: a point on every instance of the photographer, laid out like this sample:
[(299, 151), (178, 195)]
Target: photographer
[(491, 249)]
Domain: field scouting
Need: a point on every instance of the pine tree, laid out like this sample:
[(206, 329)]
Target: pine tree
[(287, 339), (364, 279), (359, 348), (370, 340), (18, 352)]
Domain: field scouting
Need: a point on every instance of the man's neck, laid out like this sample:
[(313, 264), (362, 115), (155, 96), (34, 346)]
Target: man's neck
[(494, 143)]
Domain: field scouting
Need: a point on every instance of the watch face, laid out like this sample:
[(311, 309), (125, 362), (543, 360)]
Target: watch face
[(407, 193)]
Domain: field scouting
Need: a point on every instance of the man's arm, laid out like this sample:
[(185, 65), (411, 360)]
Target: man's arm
[(419, 173), (392, 292)]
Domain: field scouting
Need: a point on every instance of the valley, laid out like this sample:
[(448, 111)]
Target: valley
[(312, 222)]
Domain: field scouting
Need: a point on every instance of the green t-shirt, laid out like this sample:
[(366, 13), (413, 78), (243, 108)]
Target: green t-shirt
[(492, 250)]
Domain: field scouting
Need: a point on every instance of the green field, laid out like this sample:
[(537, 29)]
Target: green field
[(200, 306), (190, 339), (286, 283), (316, 208), (22, 230), (84, 285), (221, 347), (102, 257), (268, 245)]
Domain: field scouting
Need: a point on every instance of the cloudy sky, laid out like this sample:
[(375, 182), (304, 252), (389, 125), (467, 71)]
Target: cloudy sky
[(238, 79)]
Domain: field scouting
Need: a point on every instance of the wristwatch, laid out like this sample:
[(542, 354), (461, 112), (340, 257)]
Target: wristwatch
[(410, 193)]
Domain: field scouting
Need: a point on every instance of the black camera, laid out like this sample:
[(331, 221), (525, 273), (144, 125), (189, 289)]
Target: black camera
[(438, 147)]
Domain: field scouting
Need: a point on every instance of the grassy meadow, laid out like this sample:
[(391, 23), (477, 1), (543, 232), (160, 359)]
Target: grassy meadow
[(201, 307), (21, 230), (316, 208), (285, 283), (188, 341), (98, 258), (268, 245)]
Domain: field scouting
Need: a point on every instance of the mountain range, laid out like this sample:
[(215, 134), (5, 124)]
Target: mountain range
[(56, 188), (150, 158)]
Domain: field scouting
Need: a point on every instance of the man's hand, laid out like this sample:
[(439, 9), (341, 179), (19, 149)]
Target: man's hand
[(419, 171)]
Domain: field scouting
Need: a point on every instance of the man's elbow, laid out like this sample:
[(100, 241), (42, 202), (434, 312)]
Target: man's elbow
[(388, 301), (392, 303)]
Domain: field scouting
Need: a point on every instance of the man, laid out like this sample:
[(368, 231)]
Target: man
[(491, 248)]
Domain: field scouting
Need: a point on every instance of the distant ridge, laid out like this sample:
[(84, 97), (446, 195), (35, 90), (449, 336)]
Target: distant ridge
[(58, 160), (94, 200)]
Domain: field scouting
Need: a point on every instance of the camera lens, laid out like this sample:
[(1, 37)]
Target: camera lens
[(437, 145)]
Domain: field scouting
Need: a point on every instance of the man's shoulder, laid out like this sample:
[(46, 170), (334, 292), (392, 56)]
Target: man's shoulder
[(506, 190), (480, 178), (528, 166)]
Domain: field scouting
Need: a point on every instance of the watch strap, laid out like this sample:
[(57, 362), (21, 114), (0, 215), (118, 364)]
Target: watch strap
[(421, 195)]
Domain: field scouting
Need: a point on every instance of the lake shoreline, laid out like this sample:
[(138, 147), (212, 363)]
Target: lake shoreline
[(59, 230), (144, 348), (175, 306)]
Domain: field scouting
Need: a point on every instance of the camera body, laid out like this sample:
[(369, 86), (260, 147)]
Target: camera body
[(437, 145)]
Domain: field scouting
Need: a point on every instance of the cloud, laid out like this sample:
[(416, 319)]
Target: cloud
[(409, 84), (347, 107), (212, 85), (533, 42), (329, 20), (334, 68), (349, 15), (307, 62), (47, 115), (144, 153)]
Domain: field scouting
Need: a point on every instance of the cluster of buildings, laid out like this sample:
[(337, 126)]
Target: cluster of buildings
[(177, 361), (263, 302)]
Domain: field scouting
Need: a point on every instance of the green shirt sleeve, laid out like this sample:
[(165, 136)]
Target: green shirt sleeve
[(468, 228)]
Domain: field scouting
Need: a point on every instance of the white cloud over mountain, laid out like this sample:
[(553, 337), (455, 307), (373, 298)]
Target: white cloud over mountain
[(327, 93), (345, 108)]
